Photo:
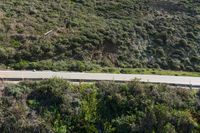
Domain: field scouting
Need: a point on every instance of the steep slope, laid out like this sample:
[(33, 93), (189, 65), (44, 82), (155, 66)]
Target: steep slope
[(130, 33)]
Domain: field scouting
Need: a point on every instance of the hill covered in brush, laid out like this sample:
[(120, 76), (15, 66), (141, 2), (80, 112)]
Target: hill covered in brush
[(86, 34)]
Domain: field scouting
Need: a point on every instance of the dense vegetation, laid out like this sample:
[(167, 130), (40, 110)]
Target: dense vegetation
[(58, 106), (100, 36), (97, 33)]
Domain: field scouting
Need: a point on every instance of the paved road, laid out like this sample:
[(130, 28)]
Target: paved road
[(76, 76)]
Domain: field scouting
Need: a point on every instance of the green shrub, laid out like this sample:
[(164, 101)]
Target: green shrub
[(109, 34), (16, 91), (54, 105)]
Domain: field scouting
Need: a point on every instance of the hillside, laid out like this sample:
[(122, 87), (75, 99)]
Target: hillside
[(97, 33), (56, 106)]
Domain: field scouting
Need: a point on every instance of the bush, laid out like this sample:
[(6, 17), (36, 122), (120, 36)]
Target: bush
[(111, 33), (56, 106), (16, 91)]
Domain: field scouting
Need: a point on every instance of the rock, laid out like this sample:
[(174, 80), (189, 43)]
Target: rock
[(32, 11)]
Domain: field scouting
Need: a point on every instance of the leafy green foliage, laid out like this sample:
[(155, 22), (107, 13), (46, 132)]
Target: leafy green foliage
[(146, 108), (127, 34), (17, 91), (57, 106)]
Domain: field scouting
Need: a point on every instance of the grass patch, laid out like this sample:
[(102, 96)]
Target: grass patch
[(79, 66), (146, 71)]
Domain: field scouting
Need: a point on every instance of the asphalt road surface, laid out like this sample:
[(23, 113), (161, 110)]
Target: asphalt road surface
[(87, 77)]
